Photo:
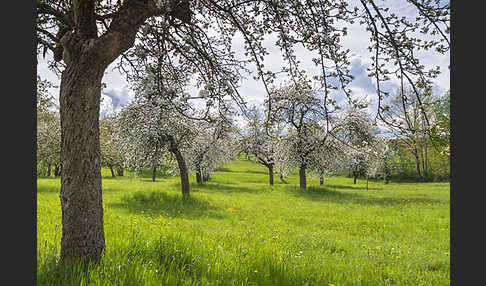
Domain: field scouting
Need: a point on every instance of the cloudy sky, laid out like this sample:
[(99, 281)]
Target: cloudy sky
[(117, 92)]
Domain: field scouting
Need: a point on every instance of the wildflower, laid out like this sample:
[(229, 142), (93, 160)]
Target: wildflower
[(255, 271), (331, 284)]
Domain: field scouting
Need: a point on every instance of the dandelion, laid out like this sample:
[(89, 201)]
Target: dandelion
[(255, 271)]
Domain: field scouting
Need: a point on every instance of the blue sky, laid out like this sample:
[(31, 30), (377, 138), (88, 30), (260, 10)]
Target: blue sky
[(117, 92)]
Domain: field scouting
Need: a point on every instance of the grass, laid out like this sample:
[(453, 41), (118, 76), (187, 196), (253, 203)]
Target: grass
[(237, 230)]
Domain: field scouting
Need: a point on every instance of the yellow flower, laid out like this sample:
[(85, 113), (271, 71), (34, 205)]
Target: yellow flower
[(255, 271), (331, 284)]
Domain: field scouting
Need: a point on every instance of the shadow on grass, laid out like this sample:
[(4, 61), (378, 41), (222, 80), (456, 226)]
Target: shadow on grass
[(157, 203), (226, 188), (324, 193), (173, 260), (351, 187)]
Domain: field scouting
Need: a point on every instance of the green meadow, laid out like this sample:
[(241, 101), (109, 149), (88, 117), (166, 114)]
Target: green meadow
[(237, 230)]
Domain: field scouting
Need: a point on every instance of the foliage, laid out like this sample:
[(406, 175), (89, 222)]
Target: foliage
[(212, 146), (48, 128), (111, 144)]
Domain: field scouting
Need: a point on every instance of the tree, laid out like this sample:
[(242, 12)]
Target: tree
[(412, 122), (358, 136), (86, 36), (327, 158), (48, 129), (211, 146), (381, 162), (149, 129), (301, 108), (261, 141), (111, 145)]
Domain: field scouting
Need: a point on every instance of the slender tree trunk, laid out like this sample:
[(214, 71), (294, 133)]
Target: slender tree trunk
[(57, 170), (198, 177), (49, 170), (321, 180), (270, 173), (119, 171), (83, 234), (112, 171), (154, 173), (205, 176), (281, 176), (355, 176), (417, 164), (182, 168), (303, 183), (426, 158)]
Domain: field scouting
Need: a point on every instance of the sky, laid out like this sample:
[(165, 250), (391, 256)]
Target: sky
[(117, 92)]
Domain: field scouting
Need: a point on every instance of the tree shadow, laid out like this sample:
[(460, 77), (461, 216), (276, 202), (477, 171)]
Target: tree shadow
[(352, 187), (324, 193), (226, 188), (177, 259), (157, 203)]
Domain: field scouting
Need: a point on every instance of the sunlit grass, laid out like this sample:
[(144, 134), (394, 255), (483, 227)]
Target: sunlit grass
[(237, 230)]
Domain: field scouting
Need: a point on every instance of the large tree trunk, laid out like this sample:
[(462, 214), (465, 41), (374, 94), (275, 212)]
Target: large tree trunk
[(86, 56), (182, 168), (83, 234), (270, 172), (303, 182)]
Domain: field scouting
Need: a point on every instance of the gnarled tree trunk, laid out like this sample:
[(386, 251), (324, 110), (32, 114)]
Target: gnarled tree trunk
[(81, 200), (86, 55)]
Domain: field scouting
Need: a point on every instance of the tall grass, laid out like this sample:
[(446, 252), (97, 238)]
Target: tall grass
[(237, 230)]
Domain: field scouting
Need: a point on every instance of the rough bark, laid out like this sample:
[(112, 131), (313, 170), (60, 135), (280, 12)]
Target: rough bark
[(86, 57), (81, 199), (302, 176), (182, 168)]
